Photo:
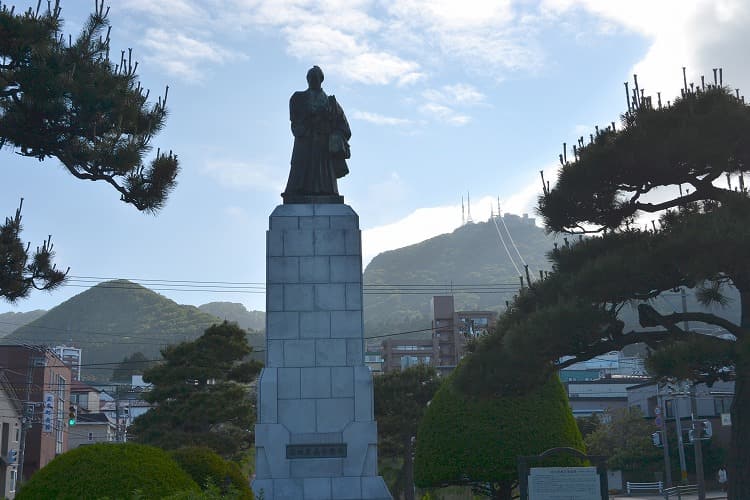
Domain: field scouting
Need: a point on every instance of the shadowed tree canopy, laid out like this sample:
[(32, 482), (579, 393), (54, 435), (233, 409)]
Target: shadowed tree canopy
[(625, 437), (64, 98), (401, 398), (680, 155), (202, 394), (135, 364)]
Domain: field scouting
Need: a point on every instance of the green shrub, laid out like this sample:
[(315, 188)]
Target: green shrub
[(465, 439), (206, 467), (108, 470)]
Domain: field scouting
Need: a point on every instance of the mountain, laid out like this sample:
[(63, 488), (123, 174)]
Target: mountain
[(457, 263), (474, 255), (112, 320), (252, 321), (11, 320), (237, 313)]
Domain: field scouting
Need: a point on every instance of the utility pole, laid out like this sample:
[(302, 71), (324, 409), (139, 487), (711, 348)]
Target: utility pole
[(662, 414), (119, 433), (683, 296), (680, 443), (697, 437), (28, 413)]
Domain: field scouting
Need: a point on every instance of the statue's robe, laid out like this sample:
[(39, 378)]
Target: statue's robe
[(314, 118)]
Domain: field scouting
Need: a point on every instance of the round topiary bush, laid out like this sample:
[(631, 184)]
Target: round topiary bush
[(465, 439), (206, 467), (113, 471)]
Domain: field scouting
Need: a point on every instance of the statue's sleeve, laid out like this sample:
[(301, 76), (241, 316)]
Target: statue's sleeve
[(296, 114), (341, 122)]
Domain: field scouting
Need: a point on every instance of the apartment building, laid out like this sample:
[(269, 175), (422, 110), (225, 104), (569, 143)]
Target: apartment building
[(451, 330), (42, 385)]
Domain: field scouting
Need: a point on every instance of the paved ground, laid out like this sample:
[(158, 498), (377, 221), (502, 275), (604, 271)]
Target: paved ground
[(710, 495)]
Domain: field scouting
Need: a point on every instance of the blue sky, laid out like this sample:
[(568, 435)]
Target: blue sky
[(443, 98)]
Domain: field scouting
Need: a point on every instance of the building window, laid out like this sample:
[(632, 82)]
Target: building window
[(59, 420), (91, 436), (407, 361), (18, 433), (12, 486)]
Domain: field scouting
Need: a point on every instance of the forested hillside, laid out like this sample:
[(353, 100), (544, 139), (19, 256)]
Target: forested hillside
[(11, 320), (112, 320), (473, 265), (471, 262), (238, 313)]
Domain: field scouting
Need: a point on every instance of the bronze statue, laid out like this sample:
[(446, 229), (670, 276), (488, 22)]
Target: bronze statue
[(321, 144)]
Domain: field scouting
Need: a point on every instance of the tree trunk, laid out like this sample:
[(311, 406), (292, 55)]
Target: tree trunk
[(738, 466), (408, 470), (502, 490)]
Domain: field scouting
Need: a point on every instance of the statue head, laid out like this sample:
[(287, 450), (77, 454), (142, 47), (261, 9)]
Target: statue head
[(315, 77)]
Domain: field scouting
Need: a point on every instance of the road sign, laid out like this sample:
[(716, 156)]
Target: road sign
[(49, 410)]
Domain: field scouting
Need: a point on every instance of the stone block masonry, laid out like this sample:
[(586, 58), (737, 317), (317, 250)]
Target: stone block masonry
[(316, 435)]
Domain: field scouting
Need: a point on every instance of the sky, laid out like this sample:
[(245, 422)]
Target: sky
[(445, 99)]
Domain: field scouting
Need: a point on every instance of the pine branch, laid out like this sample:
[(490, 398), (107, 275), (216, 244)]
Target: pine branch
[(650, 317)]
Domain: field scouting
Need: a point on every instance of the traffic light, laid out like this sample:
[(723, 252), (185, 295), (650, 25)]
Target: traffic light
[(705, 429), (72, 415), (12, 456), (656, 438)]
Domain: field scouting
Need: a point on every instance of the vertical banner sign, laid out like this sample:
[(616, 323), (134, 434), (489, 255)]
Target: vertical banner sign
[(48, 412)]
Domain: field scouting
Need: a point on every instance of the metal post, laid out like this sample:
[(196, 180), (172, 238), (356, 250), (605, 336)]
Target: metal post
[(680, 443), (28, 414), (665, 440), (697, 436), (683, 296)]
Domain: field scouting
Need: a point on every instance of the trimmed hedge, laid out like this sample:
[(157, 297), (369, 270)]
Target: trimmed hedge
[(206, 467), (465, 439), (113, 471)]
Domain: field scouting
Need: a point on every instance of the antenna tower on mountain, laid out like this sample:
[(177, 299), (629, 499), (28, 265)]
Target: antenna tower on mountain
[(469, 220)]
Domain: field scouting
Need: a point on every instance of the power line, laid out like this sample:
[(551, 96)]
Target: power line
[(506, 247), (511, 239)]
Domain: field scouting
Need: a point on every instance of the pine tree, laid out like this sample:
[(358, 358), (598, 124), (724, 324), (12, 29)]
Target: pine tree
[(201, 394), (401, 398), (701, 241), (65, 99)]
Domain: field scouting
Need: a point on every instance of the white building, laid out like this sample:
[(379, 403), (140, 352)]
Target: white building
[(71, 356)]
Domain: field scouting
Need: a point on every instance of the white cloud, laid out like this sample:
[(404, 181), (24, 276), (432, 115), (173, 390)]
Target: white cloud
[(175, 9), (449, 15), (418, 226), (243, 176), (700, 35), (183, 55), (441, 102), (367, 41), (345, 54), (379, 119), (460, 93), (425, 223), (444, 114), (486, 36)]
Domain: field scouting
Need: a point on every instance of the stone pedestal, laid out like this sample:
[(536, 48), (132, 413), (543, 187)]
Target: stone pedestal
[(316, 436)]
